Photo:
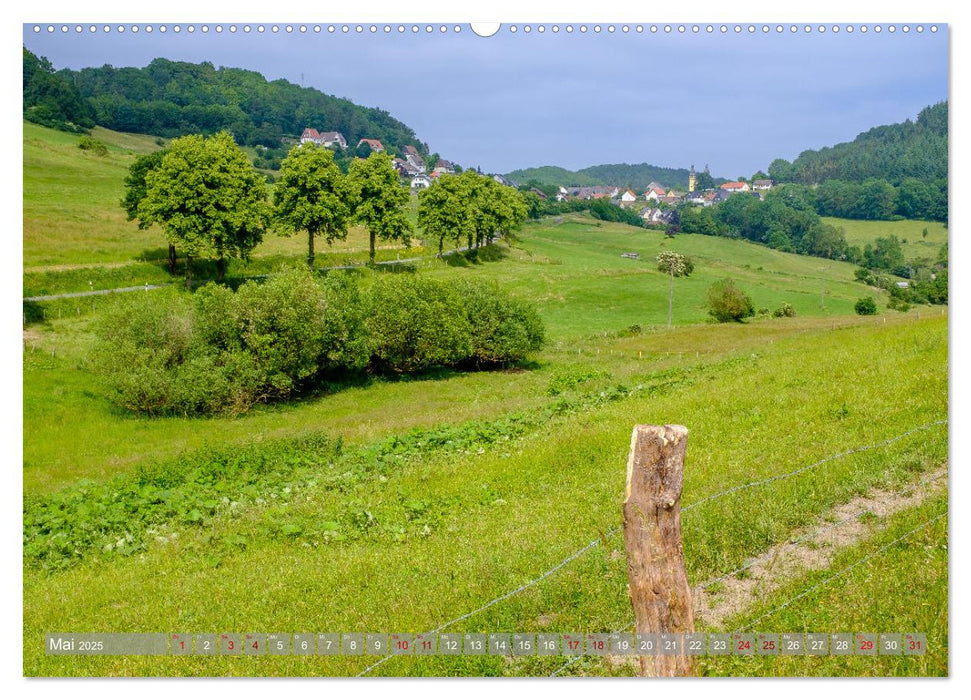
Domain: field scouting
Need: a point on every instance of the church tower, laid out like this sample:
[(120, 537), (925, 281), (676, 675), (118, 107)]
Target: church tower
[(692, 180)]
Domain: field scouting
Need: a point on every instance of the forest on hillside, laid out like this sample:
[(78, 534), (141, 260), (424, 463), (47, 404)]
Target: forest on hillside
[(893, 152), (173, 98)]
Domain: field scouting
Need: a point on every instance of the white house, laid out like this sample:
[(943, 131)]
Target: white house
[(654, 193), (330, 138), (323, 138), (735, 187), (421, 182)]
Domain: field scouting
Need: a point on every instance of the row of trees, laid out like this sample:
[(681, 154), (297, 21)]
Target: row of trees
[(469, 208), (211, 202), (781, 221)]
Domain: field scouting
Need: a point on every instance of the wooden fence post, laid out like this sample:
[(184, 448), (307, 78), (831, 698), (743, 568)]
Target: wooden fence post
[(658, 582)]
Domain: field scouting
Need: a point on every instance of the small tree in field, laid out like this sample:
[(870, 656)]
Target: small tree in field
[(379, 199), (727, 302), (208, 198), (675, 265), (312, 195)]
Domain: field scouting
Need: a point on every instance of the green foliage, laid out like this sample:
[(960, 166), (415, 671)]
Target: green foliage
[(469, 206), (637, 176), (414, 323), (885, 254), (312, 195), (208, 199), (784, 311), (865, 306), (727, 302), (136, 187), (379, 199), (51, 99), (503, 330), (86, 143), (911, 149), (783, 220), (173, 98), (226, 351)]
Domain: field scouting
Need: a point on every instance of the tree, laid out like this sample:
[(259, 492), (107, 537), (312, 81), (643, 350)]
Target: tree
[(494, 209), (704, 181), (379, 199), (208, 198), (728, 303), (312, 195), (442, 208), (675, 265), (136, 188)]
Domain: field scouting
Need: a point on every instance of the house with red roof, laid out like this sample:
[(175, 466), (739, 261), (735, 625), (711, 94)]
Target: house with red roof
[(654, 192), (735, 186), (323, 138), (373, 144)]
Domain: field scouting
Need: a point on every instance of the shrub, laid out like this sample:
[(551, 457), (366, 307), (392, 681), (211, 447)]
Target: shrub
[(86, 143), (503, 330), (865, 306), (414, 323), (727, 302), (223, 351), (784, 311)]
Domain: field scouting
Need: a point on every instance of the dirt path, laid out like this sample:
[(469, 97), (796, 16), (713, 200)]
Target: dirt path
[(810, 549)]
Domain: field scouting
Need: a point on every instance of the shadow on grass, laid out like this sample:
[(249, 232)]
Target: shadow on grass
[(477, 256)]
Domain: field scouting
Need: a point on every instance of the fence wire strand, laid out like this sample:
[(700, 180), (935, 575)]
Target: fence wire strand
[(818, 531), (592, 544), (839, 573)]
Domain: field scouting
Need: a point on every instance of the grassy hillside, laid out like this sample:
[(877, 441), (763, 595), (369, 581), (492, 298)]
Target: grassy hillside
[(910, 234), (445, 531)]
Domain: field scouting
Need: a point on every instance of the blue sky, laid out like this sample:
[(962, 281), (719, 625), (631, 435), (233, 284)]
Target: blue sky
[(734, 101)]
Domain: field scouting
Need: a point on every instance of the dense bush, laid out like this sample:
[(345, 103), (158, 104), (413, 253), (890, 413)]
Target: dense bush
[(784, 311), (221, 351), (727, 302), (865, 306), (86, 143), (503, 330)]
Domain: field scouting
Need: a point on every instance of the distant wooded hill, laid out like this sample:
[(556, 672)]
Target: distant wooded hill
[(895, 152), (171, 98), (637, 176)]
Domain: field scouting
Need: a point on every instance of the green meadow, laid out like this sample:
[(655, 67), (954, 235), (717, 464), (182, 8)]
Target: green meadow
[(400, 504), (910, 233)]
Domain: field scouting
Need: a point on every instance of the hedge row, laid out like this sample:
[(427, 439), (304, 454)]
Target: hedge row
[(220, 351)]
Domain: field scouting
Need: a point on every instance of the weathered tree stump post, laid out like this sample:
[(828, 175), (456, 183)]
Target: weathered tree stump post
[(658, 582)]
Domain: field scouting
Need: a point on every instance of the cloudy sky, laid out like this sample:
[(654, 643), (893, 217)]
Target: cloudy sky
[(734, 101)]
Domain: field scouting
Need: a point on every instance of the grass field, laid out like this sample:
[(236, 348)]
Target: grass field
[(495, 516), (400, 504), (910, 234)]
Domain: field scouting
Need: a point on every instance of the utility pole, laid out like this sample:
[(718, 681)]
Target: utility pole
[(822, 290)]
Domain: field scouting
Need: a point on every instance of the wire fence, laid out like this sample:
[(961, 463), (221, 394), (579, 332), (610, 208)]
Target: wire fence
[(839, 574), (593, 543)]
